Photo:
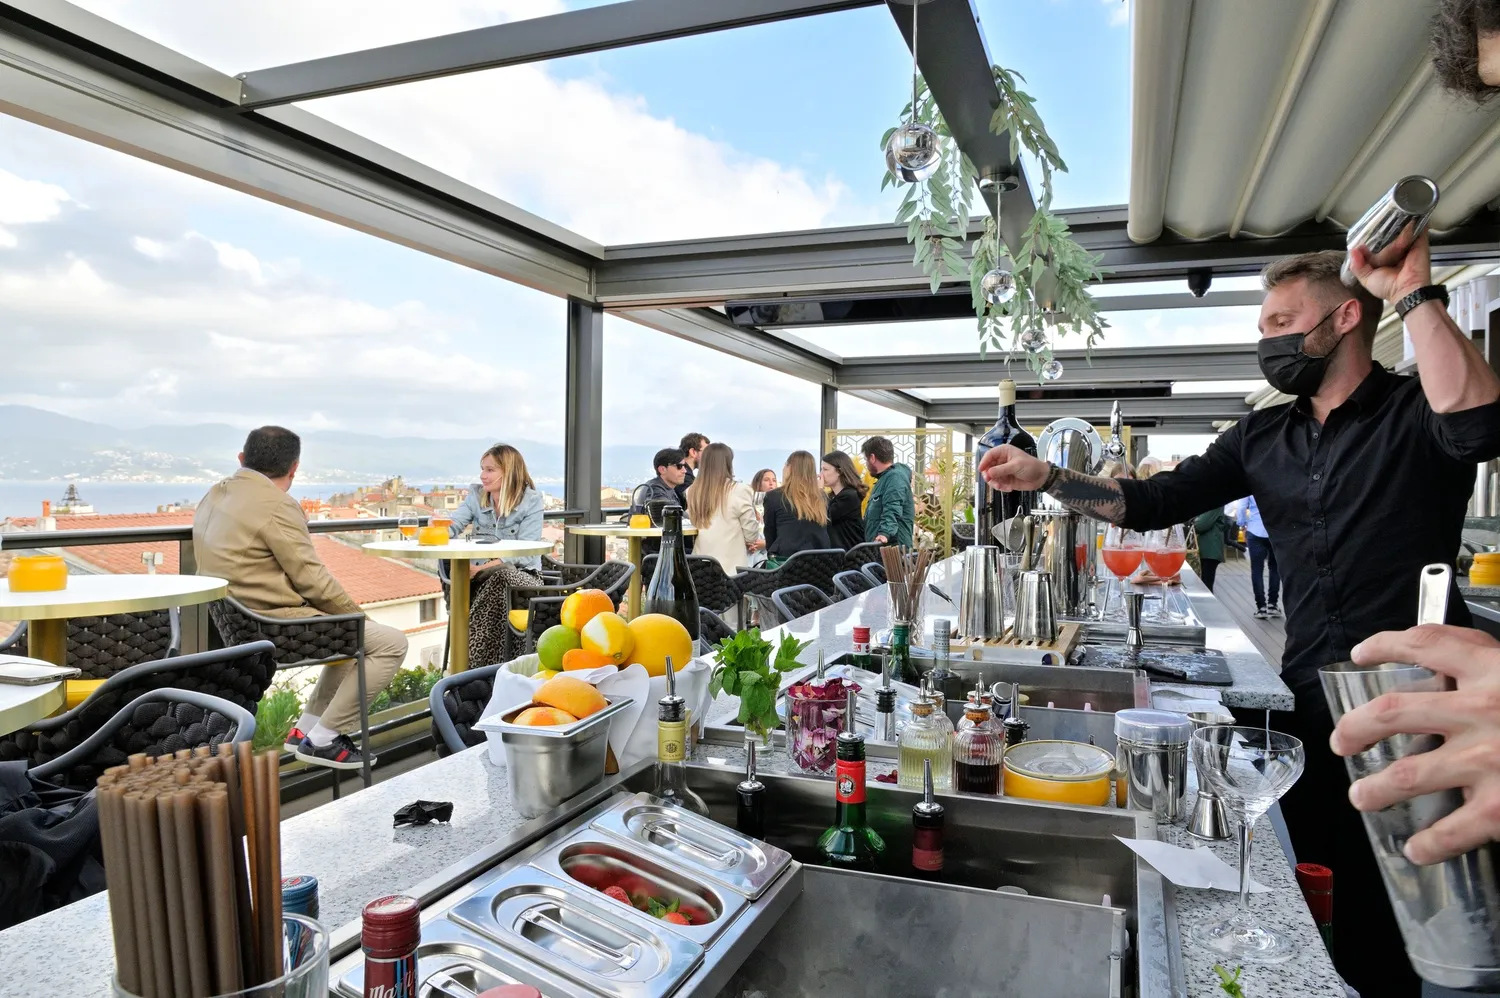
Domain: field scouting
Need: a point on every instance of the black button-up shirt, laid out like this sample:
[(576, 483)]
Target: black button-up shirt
[(1354, 507)]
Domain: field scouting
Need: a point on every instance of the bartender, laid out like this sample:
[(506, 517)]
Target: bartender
[(1361, 480)]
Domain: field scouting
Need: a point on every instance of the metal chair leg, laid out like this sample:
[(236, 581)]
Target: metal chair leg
[(364, 714)]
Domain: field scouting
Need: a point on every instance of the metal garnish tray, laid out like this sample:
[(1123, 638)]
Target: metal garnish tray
[(562, 934), (449, 955), (503, 722), (680, 838)]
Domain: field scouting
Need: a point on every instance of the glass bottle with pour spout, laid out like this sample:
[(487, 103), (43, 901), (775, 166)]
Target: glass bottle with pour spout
[(671, 751), (851, 842), (926, 742), (977, 751)]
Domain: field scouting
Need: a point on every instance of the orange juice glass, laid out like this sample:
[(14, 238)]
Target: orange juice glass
[(432, 535), (37, 573), (640, 521)]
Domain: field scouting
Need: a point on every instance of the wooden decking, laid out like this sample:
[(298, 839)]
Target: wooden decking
[(1232, 588)]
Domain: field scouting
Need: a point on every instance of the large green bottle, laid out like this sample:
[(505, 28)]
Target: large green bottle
[(851, 842), (903, 670)]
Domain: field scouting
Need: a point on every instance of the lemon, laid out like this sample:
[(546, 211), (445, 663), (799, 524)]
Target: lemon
[(658, 637), (607, 634)]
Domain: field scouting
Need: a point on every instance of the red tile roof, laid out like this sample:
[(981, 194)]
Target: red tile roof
[(365, 577)]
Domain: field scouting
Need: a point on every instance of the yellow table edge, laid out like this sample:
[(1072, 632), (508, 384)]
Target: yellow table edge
[(19, 716)]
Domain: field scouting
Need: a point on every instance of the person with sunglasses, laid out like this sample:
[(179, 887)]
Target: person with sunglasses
[(671, 470), (1362, 477)]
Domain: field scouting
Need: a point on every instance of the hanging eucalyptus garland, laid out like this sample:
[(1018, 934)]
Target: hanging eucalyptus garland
[(1050, 273)]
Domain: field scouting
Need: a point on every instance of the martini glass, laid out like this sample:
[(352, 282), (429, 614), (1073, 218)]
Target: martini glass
[(1249, 769)]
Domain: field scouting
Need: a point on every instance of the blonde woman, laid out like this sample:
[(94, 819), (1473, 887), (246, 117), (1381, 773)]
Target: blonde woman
[(723, 510), (797, 513), (503, 505)]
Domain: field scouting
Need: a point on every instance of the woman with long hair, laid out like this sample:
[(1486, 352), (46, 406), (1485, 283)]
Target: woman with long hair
[(723, 511), (796, 513), (846, 496), (761, 482), (503, 505)]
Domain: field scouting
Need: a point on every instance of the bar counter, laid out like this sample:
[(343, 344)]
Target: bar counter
[(351, 847)]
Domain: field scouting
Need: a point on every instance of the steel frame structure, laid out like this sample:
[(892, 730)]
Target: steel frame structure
[(72, 71)]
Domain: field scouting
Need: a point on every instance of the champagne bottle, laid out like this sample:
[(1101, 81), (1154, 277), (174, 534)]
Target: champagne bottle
[(992, 507), (670, 590), (850, 842)]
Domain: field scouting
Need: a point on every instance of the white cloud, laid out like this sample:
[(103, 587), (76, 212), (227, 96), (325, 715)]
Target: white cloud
[(8, 239), (1119, 14), (25, 202)]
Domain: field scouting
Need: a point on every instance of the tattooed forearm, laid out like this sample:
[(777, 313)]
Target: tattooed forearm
[(1100, 498)]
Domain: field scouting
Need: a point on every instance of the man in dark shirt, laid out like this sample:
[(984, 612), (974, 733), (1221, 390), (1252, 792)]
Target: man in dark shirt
[(670, 472), (1361, 481), (692, 448)]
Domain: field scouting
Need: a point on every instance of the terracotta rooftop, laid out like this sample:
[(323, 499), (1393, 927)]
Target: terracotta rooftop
[(365, 577)]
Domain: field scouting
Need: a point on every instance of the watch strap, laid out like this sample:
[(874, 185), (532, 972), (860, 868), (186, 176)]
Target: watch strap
[(1431, 292)]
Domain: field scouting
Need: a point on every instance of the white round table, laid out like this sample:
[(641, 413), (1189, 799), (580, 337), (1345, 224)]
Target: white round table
[(100, 596), (24, 705), (633, 537), (464, 550)]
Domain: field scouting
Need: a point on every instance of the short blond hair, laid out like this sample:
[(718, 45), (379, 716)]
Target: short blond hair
[(1321, 270)]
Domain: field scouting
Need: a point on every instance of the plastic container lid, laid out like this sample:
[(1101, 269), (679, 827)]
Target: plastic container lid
[(1141, 726), (1059, 761), (1490, 559)]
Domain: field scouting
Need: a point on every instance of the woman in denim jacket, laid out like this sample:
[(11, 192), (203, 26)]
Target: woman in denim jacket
[(504, 505)]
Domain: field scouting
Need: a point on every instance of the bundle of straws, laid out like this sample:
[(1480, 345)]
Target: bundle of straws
[(191, 917), (906, 571)]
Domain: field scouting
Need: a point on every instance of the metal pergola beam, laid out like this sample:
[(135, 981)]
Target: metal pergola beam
[(948, 303), (123, 98), (1231, 362), (900, 401), (1137, 412), (583, 456), (594, 29), (711, 329)]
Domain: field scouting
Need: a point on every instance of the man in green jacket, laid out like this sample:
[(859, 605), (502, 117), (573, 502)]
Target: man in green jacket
[(892, 512), (1210, 529)]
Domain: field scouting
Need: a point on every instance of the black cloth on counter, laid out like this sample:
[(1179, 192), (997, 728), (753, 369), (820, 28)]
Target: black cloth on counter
[(786, 534), (50, 853), (846, 521), (1354, 507)]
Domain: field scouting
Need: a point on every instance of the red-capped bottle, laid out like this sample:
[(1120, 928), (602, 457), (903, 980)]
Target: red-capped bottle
[(1317, 889), (390, 935), (927, 830), (851, 842), (860, 655)]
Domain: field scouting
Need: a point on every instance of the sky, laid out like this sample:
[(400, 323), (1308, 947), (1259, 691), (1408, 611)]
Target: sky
[(134, 295)]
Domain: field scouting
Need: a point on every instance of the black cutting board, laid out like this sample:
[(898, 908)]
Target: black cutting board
[(1206, 667)]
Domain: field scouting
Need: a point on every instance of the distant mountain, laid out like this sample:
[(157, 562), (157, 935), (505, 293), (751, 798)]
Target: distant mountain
[(45, 446)]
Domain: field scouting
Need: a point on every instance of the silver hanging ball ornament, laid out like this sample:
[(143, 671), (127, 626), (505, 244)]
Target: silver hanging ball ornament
[(912, 154), (998, 286), (1034, 341), (1052, 370)]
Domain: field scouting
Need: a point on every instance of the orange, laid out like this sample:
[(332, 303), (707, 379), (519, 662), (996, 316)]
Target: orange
[(583, 606), (543, 717), (607, 634), (571, 695), (580, 658), (657, 636)]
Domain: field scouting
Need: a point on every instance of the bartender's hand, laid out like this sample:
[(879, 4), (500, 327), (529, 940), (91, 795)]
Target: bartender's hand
[(1468, 719), (1010, 469), (1398, 280)]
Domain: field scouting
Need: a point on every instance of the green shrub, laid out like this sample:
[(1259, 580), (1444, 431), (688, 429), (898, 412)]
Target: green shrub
[(274, 716), (407, 686)]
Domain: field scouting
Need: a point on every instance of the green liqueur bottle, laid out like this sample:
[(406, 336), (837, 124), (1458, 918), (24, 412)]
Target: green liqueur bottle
[(903, 670), (851, 843)]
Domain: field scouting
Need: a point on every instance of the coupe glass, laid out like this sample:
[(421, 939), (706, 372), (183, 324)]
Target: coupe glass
[(1249, 769), (1166, 550), (407, 523), (1122, 552)]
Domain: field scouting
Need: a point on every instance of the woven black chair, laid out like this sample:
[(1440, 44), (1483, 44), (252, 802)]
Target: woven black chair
[(101, 646), (715, 589), (851, 584), (457, 702), (301, 642), (861, 555), (238, 675), (798, 601), (543, 604), (875, 572), (805, 568), (157, 723), (712, 628)]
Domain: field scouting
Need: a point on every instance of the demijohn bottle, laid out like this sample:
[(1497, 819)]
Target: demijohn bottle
[(992, 507), (670, 590), (851, 842)]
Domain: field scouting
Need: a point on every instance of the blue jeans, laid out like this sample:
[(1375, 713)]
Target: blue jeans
[(1260, 554)]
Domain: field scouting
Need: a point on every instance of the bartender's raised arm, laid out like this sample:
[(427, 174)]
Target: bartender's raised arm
[(1197, 484), (1455, 376)]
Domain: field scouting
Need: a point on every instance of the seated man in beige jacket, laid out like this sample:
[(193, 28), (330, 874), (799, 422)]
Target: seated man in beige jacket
[(249, 531)]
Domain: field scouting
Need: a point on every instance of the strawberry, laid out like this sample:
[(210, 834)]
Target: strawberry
[(618, 893), (676, 918)]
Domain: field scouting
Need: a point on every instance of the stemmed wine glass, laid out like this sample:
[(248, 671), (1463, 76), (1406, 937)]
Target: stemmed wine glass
[(1166, 550), (1249, 769), (407, 523), (1122, 553)]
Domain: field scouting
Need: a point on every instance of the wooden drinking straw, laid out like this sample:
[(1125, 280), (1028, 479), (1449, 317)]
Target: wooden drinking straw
[(140, 805), (245, 767), (172, 888), (117, 868), (213, 815), (244, 919), (194, 914), (268, 867)]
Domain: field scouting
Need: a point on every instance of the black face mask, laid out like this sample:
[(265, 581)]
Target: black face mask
[(1287, 368)]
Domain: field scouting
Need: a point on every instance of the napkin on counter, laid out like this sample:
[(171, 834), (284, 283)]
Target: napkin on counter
[(1196, 867)]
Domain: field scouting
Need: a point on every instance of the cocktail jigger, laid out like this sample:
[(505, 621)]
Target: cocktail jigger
[(1208, 820)]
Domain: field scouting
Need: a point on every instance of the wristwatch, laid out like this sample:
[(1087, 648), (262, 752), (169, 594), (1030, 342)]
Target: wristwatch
[(1432, 292)]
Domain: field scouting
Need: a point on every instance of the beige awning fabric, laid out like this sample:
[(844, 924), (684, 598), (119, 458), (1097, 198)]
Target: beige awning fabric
[(1250, 117)]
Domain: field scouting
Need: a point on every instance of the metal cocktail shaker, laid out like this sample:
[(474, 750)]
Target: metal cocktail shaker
[(1393, 223), (981, 603), (1449, 913)]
